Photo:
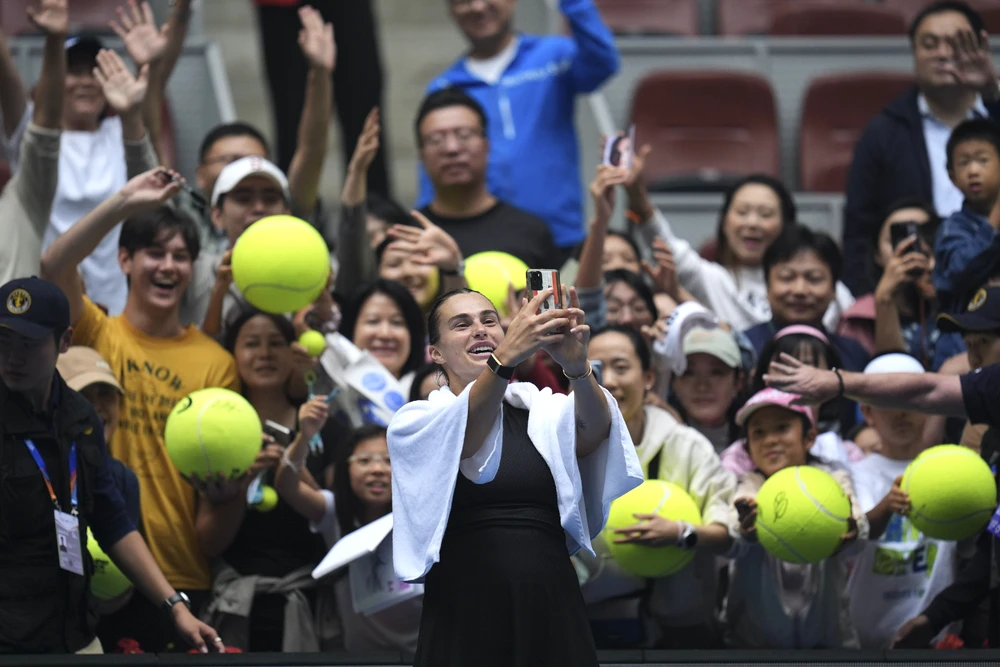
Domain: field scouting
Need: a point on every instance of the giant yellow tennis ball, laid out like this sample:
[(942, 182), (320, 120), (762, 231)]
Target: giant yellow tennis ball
[(212, 431), (952, 492), (653, 496), (490, 278), (801, 514), (107, 582), (281, 264), (516, 269), (314, 342)]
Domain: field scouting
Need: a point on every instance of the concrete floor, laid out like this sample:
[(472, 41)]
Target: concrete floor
[(418, 40)]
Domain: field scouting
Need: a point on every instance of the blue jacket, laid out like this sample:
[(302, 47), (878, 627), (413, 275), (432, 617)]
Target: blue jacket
[(963, 236), (534, 162)]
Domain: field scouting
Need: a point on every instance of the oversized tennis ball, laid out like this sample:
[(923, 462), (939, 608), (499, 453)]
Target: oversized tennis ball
[(281, 264), (489, 277), (952, 492), (268, 500), (801, 514), (212, 431), (653, 496), (314, 342), (516, 269), (107, 582)]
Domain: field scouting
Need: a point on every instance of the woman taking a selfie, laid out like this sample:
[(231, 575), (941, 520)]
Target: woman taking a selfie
[(492, 547)]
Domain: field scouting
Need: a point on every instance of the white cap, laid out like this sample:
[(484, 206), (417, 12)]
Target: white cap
[(685, 317), (253, 165), (895, 362)]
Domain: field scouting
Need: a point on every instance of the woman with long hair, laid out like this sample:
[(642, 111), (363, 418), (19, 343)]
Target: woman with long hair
[(533, 473)]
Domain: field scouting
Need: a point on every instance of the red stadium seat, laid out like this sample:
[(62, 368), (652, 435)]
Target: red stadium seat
[(836, 20), (910, 8), (651, 17), (698, 140), (834, 113), (991, 17), (84, 16), (753, 17)]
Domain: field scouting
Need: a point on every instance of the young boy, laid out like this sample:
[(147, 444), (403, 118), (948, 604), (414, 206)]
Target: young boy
[(157, 361), (974, 167), (773, 604), (899, 570)]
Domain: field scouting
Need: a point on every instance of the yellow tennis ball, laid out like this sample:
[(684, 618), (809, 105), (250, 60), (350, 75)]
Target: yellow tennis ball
[(490, 278), (653, 496), (281, 264), (268, 500), (213, 431), (952, 492), (314, 342), (516, 269), (801, 514), (107, 582)]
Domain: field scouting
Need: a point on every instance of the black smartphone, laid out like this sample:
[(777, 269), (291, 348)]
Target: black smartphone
[(281, 434), (901, 231)]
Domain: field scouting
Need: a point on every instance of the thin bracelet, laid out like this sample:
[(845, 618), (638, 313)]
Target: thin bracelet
[(297, 467), (840, 379), (572, 378)]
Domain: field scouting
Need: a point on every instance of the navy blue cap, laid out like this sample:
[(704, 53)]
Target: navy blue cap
[(33, 308), (83, 46), (982, 315)]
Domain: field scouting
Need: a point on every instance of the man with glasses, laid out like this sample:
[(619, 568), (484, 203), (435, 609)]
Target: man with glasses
[(454, 151), (527, 85)]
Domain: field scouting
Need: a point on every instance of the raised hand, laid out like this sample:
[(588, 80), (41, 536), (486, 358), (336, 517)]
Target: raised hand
[(664, 272), (316, 40), (531, 329), (905, 266), (269, 457), (652, 531), (150, 189), (971, 64), (512, 305), (602, 190), (428, 244), (224, 274), (368, 143), (123, 91), (218, 489), (746, 508), (136, 27), (570, 350), (51, 17), (313, 415), (790, 375)]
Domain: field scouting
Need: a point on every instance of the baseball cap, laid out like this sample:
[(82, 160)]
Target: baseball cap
[(253, 165), (983, 314), (82, 366), (717, 342), (770, 396), (33, 308), (83, 47), (894, 362)]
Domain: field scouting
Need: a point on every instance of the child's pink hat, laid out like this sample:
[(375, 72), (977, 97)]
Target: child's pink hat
[(769, 396)]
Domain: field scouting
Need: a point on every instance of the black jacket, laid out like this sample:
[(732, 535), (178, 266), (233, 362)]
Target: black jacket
[(890, 164), (44, 609)]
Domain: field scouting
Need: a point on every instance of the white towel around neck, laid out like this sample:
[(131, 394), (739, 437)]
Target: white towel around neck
[(425, 443)]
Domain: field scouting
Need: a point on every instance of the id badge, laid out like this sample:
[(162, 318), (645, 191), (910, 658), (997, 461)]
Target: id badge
[(994, 525), (68, 541)]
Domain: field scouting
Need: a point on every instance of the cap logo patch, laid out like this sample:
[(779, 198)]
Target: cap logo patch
[(978, 300), (18, 302)]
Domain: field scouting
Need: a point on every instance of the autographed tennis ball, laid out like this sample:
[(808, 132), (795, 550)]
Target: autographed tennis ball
[(489, 276), (212, 431), (314, 342), (801, 514), (281, 264), (107, 582), (653, 496), (952, 492)]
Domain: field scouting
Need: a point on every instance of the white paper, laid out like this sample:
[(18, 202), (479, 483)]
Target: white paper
[(374, 585), (354, 545)]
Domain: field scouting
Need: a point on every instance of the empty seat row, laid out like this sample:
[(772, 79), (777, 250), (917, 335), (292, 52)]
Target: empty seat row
[(708, 127), (774, 17)]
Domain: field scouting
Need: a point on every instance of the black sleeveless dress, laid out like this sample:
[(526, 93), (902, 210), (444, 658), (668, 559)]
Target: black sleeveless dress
[(504, 593)]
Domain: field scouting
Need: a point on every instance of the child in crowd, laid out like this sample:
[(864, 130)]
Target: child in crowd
[(361, 493), (900, 571), (974, 167), (774, 604)]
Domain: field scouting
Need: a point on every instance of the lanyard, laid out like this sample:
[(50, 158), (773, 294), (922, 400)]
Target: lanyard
[(45, 474)]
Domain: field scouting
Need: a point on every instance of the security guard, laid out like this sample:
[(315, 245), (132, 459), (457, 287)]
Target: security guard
[(55, 482)]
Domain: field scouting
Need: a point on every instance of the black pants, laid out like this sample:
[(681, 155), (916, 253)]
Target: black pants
[(148, 624), (357, 78)]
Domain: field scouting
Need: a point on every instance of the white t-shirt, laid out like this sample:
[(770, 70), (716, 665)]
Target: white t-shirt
[(895, 577), (91, 169), (491, 69)]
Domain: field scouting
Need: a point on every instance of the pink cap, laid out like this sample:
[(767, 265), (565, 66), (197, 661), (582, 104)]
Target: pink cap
[(769, 396), (804, 329)]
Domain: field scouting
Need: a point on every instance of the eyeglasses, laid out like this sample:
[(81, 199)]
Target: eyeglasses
[(368, 460), (463, 135)]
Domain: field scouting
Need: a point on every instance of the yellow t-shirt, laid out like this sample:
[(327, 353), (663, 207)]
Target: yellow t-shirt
[(156, 373)]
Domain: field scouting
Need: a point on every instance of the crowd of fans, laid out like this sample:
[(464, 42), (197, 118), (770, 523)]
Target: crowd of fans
[(143, 259)]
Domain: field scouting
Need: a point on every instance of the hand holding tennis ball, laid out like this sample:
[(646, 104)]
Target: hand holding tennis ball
[(314, 342)]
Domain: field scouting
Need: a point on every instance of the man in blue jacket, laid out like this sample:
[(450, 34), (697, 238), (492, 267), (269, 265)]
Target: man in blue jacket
[(528, 86), (901, 153)]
